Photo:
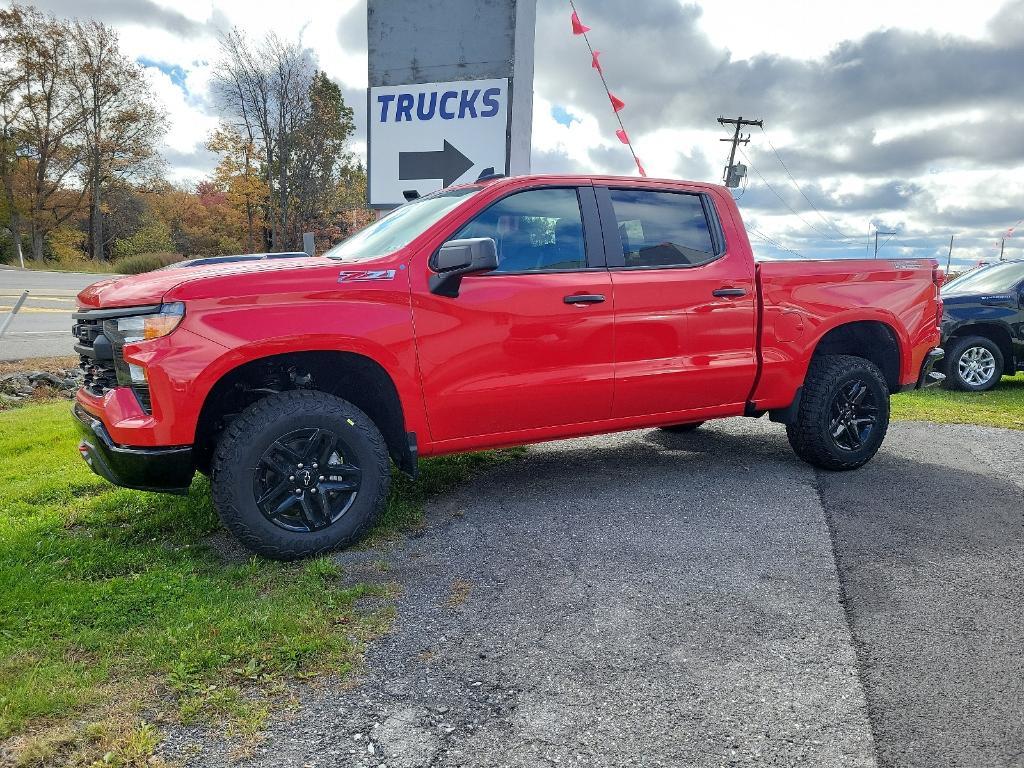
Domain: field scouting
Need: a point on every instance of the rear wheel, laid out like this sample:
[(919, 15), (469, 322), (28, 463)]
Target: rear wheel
[(299, 474), (843, 414), (688, 427), (973, 364)]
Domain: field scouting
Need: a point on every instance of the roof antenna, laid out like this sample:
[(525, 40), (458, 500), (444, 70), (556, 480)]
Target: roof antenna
[(410, 195)]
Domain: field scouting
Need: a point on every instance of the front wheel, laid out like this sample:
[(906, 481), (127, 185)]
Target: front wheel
[(300, 473), (973, 364), (843, 414)]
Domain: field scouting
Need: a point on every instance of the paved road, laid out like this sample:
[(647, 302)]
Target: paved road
[(43, 326), (694, 600)]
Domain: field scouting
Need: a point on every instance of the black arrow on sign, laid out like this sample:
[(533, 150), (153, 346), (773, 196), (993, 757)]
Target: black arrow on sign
[(447, 164)]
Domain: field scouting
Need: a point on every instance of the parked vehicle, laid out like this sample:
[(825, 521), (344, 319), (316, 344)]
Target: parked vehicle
[(983, 326), (503, 312)]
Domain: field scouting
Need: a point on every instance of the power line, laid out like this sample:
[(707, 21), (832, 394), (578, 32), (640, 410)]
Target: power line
[(798, 189), (825, 235), (770, 241), (891, 235)]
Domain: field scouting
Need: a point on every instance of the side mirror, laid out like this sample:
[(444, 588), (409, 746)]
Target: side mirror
[(458, 258)]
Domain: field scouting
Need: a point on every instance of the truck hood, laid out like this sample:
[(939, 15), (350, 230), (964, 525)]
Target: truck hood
[(151, 287)]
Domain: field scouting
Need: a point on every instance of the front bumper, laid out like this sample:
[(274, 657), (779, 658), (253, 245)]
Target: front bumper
[(167, 470)]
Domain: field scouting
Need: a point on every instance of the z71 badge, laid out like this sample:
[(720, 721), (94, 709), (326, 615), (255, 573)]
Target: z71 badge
[(365, 275)]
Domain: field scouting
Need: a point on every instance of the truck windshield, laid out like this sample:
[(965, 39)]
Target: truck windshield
[(999, 278), (399, 227)]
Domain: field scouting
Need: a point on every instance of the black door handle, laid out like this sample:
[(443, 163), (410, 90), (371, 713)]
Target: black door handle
[(723, 292), (584, 298)]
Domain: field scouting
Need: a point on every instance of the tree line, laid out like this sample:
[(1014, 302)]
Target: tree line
[(80, 137)]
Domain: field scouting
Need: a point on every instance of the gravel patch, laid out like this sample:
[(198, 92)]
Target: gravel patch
[(636, 599)]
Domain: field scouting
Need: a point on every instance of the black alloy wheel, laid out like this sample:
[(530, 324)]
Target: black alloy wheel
[(299, 474), (306, 481), (843, 413), (854, 413)]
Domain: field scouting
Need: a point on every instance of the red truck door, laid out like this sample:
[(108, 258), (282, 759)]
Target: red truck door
[(529, 345), (684, 301)]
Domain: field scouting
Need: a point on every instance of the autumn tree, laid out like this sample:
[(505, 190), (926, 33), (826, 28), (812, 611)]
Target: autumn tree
[(11, 167), (320, 153), (47, 128), (237, 174), (121, 127), (295, 120)]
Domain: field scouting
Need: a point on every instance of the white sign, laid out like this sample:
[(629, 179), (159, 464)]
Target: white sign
[(431, 135)]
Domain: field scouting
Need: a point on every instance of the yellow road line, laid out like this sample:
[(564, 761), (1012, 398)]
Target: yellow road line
[(35, 297), (39, 292), (37, 309)]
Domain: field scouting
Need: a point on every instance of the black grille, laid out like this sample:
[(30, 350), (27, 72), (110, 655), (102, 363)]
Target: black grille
[(96, 356), (102, 361)]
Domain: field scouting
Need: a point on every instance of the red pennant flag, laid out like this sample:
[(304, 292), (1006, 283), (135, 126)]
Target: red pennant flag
[(623, 136), (640, 167), (617, 103), (578, 27), (594, 62)]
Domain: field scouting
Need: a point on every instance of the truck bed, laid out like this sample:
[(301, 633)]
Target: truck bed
[(800, 301)]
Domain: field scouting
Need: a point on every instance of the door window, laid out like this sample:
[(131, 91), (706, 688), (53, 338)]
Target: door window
[(662, 229), (535, 231)]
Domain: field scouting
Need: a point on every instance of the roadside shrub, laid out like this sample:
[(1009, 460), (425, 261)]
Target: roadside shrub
[(144, 262), (153, 237)]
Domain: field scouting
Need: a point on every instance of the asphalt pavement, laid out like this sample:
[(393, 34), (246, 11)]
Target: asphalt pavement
[(648, 599), (42, 328)]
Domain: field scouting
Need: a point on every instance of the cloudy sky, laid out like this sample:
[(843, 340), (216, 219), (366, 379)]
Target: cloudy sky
[(889, 114)]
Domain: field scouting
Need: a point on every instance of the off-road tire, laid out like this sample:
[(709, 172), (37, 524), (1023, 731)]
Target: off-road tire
[(810, 435), (688, 427), (952, 363), (250, 434)]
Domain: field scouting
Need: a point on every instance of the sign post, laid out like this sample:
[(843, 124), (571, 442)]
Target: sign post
[(450, 96)]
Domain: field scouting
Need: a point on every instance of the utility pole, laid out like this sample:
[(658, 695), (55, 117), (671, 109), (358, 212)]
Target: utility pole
[(877, 233), (1002, 247), (949, 258), (732, 176)]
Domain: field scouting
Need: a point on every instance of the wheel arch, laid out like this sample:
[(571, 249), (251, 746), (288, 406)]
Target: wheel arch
[(873, 340), (353, 376)]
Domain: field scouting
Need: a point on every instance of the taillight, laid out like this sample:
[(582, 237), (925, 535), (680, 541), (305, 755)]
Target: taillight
[(938, 278)]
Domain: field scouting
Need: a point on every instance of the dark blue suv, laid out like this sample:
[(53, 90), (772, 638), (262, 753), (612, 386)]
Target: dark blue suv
[(983, 326)]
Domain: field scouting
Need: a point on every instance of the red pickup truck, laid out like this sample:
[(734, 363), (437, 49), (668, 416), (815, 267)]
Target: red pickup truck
[(503, 312)]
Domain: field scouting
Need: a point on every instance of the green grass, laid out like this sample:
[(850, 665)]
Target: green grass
[(999, 407), (113, 604)]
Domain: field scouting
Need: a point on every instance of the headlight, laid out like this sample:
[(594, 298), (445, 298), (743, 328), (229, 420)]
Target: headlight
[(128, 330), (135, 328)]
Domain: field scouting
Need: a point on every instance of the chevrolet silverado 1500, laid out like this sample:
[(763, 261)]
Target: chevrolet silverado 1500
[(505, 312)]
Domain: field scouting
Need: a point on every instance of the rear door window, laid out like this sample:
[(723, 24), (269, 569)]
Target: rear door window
[(662, 229)]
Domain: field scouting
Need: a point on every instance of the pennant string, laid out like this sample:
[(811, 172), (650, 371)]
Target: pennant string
[(617, 104)]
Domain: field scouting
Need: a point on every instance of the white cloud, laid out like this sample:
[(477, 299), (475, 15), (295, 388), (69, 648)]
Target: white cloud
[(801, 29), (188, 126), (960, 194)]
